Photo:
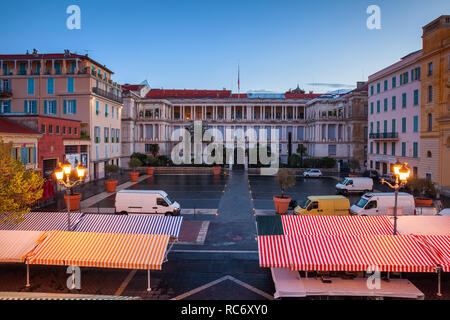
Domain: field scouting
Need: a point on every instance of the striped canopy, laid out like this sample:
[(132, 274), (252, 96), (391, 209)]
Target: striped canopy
[(358, 253), (14, 245), (440, 247), (337, 225), (273, 252), (42, 221), (102, 250), (132, 224)]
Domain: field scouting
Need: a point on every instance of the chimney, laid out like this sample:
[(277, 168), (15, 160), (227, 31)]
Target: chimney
[(360, 84)]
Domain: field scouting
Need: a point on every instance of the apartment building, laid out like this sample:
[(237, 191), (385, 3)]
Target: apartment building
[(60, 140), (394, 115), (336, 126), (24, 142), (69, 86), (435, 103)]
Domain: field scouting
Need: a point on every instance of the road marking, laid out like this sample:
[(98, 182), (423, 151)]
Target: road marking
[(213, 283), (202, 233), (125, 283)]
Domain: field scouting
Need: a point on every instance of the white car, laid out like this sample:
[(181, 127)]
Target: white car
[(444, 212), (312, 173)]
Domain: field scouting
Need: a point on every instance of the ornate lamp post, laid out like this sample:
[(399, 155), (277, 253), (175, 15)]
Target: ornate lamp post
[(402, 173), (66, 170)]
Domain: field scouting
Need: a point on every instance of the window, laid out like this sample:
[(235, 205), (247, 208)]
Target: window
[(429, 155), (30, 106), (385, 104), (378, 87), (430, 122), (332, 149), (71, 149), (70, 85), (112, 112), (70, 130), (415, 149), (385, 85), (31, 86), (378, 126), (50, 107), (385, 130), (57, 129), (394, 82), (50, 86), (23, 69), (371, 147), (394, 124), (5, 106), (430, 69), (42, 128), (378, 106), (378, 148), (416, 124), (403, 149), (371, 90), (117, 135), (97, 134), (106, 130), (106, 110), (404, 100), (371, 108), (97, 107), (403, 125), (75, 130), (384, 147), (430, 94), (70, 107), (394, 102), (64, 130), (416, 97), (393, 149), (50, 129)]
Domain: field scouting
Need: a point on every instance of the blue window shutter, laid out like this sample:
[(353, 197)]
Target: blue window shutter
[(25, 105), (74, 106), (34, 155), (8, 107), (45, 107), (23, 155), (34, 107), (65, 107), (55, 105), (69, 84)]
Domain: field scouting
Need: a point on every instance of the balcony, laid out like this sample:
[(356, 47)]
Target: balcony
[(5, 93), (384, 136), (108, 95)]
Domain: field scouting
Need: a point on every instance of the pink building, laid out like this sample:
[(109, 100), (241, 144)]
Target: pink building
[(394, 115)]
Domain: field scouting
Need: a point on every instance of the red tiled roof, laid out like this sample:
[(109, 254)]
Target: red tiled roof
[(7, 126), (132, 87), (173, 93)]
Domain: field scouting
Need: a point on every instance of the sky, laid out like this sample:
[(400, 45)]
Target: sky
[(319, 45)]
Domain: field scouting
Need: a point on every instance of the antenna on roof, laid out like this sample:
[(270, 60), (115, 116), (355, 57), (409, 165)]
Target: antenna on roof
[(87, 51)]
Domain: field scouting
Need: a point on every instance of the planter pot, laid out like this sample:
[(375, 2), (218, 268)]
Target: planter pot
[(74, 201), (353, 175), (111, 185), (217, 170), (134, 176), (150, 170), (281, 204), (423, 202)]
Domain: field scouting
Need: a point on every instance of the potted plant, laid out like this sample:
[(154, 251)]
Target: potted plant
[(110, 183), (424, 187), (154, 150), (133, 164), (285, 179), (216, 169)]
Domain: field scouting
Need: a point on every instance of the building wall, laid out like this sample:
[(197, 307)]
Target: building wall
[(23, 141), (409, 112)]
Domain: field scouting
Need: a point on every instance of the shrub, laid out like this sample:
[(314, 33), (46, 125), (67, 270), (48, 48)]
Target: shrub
[(162, 160), (134, 163), (294, 161), (422, 186), (111, 170), (142, 157)]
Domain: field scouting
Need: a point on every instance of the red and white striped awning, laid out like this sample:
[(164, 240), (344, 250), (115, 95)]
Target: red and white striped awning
[(273, 252), (440, 247), (337, 225), (358, 253), (102, 250)]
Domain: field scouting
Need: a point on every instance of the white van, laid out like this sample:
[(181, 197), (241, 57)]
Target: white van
[(382, 204), (145, 201), (355, 184)]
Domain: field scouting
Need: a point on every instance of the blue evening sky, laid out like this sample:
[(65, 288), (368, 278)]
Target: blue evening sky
[(198, 44)]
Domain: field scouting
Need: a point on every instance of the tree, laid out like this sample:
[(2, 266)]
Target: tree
[(285, 179), (154, 149), (111, 170), (134, 163), (301, 150), (19, 187)]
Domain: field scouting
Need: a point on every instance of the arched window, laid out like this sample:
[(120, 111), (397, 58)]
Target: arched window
[(430, 122), (429, 154)]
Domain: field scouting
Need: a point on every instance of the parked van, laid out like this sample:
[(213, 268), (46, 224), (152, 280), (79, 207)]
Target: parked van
[(355, 184), (145, 201), (379, 204), (324, 206)]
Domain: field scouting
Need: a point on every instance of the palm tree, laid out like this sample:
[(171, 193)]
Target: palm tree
[(301, 149)]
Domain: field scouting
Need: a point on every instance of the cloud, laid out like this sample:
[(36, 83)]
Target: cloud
[(331, 85)]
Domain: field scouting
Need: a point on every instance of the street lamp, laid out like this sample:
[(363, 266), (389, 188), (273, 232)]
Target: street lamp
[(65, 170), (401, 172)]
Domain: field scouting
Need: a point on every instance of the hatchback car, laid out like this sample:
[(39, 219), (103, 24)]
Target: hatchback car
[(312, 173)]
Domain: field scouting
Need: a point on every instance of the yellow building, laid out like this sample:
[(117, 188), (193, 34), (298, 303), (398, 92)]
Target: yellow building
[(435, 102)]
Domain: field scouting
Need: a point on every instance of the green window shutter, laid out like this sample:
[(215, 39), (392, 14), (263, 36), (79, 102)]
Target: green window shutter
[(394, 102), (34, 107), (74, 106), (45, 107), (385, 104), (25, 106), (50, 86), (34, 155), (55, 107), (65, 107), (403, 125), (24, 155), (393, 125)]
